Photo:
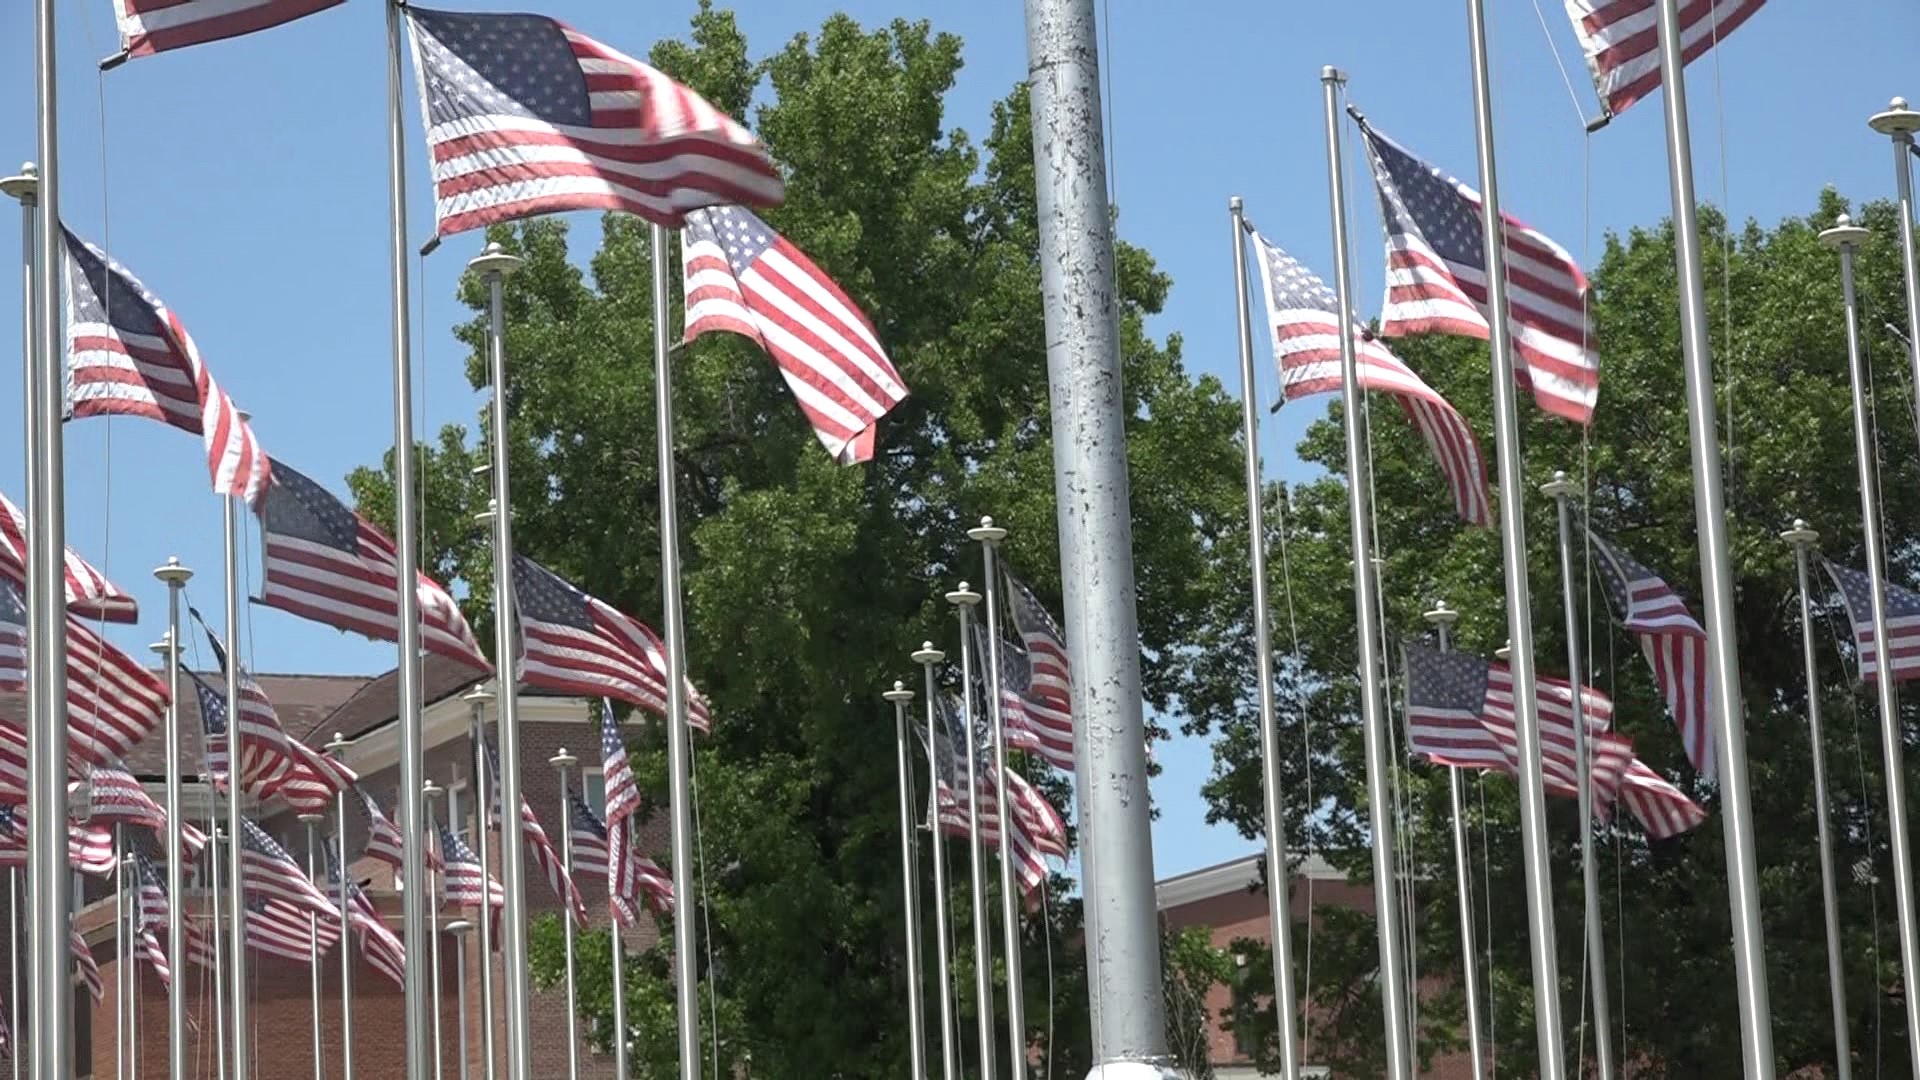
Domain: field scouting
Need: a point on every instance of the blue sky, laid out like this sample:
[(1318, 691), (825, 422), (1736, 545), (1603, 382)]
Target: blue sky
[(245, 183)]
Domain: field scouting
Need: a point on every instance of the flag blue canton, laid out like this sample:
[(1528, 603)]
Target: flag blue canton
[(500, 65), (585, 820), (739, 232), (544, 597), (1454, 682), (13, 606), (297, 507), (213, 708), (1295, 286), (101, 291), (1858, 589), (1435, 206)]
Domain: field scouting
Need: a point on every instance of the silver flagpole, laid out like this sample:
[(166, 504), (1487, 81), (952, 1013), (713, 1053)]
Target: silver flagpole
[(1387, 909), (1096, 538), (910, 885), (686, 973), (13, 951), (121, 942), (1727, 712), (1845, 237), (413, 872), (48, 883), (619, 994), (1561, 490), (1802, 539), (236, 876), (1442, 618), (927, 656), (338, 747), (312, 821), (460, 928), (989, 535), (431, 792), (964, 601), (477, 700), (562, 762), (175, 577), (217, 934), (25, 188), (1513, 543), (1279, 915), (133, 986), (1900, 123), (493, 265)]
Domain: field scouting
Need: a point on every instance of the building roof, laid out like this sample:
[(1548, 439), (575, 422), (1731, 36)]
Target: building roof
[(1236, 875)]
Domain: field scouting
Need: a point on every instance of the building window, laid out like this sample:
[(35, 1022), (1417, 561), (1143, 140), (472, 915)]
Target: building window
[(593, 785)]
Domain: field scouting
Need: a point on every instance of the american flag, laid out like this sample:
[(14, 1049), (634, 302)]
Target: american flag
[(384, 841), (628, 884), (950, 802), (89, 593), (1903, 623), (1049, 686), (1553, 701), (13, 764), (114, 794), (1017, 721), (1675, 645), (154, 26), (112, 702), (467, 882), (1037, 815), (151, 908), (1621, 40), (590, 856), (278, 928), (379, 944), (1437, 280), (578, 644), (1446, 702), (83, 960), (326, 563), (743, 277), (538, 844), (89, 847), (1663, 809), (271, 761), (128, 355), (526, 116), (588, 834), (268, 871), (1306, 345)]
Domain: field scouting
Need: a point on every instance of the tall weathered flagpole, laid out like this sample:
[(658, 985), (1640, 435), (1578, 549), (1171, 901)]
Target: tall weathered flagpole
[(413, 866), (1279, 915), (1374, 720), (899, 695), (927, 656), (1845, 237), (1725, 708), (1096, 537)]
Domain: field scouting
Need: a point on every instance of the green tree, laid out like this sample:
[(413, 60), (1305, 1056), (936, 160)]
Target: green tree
[(808, 584), (1785, 424)]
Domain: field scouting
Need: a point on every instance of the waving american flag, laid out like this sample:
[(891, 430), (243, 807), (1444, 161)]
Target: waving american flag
[(89, 593), (154, 26), (112, 701), (1622, 44), (577, 643), (1674, 643)]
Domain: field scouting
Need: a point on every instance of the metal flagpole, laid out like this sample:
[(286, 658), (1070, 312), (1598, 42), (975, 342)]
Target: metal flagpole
[(24, 187), (121, 941), (1802, 540), (236, 876), (431, 792), (460, 928), (1727, 712), (493, 265), (175, 577), (1561, 490), (910, 885), (13, 957), (1387, 910), (477, 700), (989, 535), (1900, 123), (216, 934), (1279, 915), (48, 883), (1442, 618), (1513, 543), (964, 600), (619, 993), (1845, 237), (927, 656), (338, 747), (312, 822), (562, 762), (686, 974), (1096, 538), (133, 986), (413, 872)]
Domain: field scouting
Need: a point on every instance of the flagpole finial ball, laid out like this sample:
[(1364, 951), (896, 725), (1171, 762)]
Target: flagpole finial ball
[(1235, 204), (1844, 236), (1442, 615), (1801, 535), (495, 260), (987, 533), (1332, 74), (478, 696), (432, 790), (1560, 487), (173, 573), (24, 187), (1899, 120), (313, 819), (963, 597), (1503, 652), (338, 744), (927, 654), (899, 695), (562, 760)]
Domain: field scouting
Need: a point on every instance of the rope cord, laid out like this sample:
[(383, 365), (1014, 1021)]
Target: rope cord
[(1835, 634), (1306, 738), (1046, 925), (1579, 115), (1726, 241), (706, 903), (1486, 863)]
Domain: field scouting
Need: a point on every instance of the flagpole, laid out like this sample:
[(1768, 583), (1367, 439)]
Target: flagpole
[(1802, 539), (477, 700), (413, 872), (1845, 238), (964, 600), (120, 952), (175, 577), (1899, 123), (338, 747), (927, 656), (431, 792), (1561, 490), (1387, 911), (493, 266), (1279, 917), (23, 187), (236, 877), (1726, 711), (619, 992), (686, 973), (910, 885), (460, 928), (217, 933), (312, 822), (47, 879), (133, 988), (562, 762), (989, 536), (1442, 618), (13, 956)]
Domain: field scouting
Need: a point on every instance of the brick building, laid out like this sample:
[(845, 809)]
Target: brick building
[(1230, 901), (363, 710)]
